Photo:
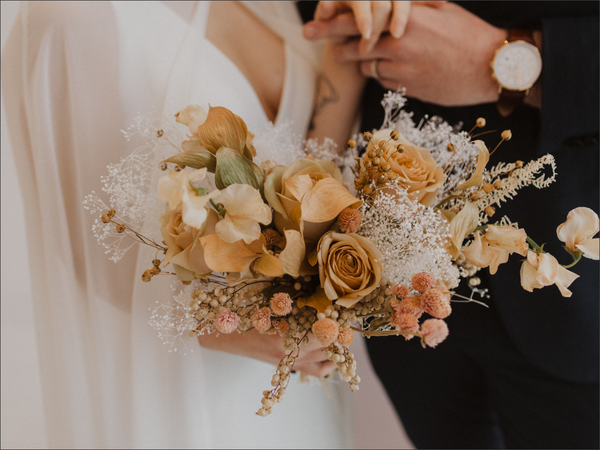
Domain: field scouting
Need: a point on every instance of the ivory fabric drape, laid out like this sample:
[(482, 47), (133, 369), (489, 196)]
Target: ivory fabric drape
[(75, 74)]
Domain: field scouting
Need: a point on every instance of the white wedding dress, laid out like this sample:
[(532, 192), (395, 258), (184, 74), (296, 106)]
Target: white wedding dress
[(74, 74)]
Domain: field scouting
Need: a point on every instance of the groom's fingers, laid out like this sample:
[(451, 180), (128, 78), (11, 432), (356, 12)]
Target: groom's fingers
[(349, 51)]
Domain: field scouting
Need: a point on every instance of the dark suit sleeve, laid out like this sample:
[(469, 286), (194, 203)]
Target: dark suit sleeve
[(569, 82)]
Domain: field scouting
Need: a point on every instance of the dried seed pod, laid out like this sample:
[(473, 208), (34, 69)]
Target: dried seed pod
[(112, 212), (490, 211), (498, 184), (480, 122), (450, 147), (120, 228), (488, 188), (105, 218), (506, 135), (395, 135), (367, 135), (351, 143)]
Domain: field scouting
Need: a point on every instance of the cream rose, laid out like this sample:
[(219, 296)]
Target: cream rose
[(415, 167), (183, 247), (310, 191), (348, 267)]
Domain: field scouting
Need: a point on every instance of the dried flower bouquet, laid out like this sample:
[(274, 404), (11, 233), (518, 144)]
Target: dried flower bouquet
[(291, 251)]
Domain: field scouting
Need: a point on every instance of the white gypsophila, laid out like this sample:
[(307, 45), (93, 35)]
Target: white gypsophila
[(173, 321), (410, 236), (531, 173), (129, 185)]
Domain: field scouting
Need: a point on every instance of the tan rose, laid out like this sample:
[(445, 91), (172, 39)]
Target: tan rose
[(348, 267), (415, 167), (183, 247), (309, 191)]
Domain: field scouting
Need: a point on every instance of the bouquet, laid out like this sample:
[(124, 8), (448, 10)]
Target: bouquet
[(302, 252)]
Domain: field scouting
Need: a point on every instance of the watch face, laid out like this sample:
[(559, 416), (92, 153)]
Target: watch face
[(517, 65)]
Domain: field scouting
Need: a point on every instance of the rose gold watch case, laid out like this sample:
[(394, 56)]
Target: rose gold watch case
[(538, 58)]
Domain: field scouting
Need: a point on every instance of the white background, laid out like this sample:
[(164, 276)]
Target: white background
[(22, 426)]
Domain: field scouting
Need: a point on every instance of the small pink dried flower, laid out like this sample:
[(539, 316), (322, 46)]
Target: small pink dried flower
[(227, 322), (423, 281), (349, 220), (261, 319), (410, 305), (434, 331), (407, 323), (326, 331), (281, 326), (436, 303), (346, 336), (281, 304), (401, 291)]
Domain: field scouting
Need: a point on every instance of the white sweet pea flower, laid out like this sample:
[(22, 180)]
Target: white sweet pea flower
[(540, 270), (244, 211), (582, 223)]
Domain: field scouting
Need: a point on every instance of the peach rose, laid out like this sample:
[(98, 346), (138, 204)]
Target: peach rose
[(415, 167), (348, 267), (183, 249)]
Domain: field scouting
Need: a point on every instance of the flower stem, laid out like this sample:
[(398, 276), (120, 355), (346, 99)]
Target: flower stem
[(384, 333), (576, 258), (447, 199), (536, 248)]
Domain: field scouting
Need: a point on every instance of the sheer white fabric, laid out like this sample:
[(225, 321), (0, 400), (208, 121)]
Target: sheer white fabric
[(73, 75)]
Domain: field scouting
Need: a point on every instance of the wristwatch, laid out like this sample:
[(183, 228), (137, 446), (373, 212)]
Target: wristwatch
[(516, 67)]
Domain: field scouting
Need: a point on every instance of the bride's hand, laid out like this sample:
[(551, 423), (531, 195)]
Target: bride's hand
[(369, 19), (269, 349)]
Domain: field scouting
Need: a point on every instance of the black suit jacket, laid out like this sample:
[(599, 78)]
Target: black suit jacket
[(557, 334)]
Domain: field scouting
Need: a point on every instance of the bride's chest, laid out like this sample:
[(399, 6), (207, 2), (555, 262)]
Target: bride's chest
[(255, 50)]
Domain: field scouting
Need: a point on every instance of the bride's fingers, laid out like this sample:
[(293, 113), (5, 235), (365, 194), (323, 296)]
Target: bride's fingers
[(379, 18), (400, 12), (318, 369)]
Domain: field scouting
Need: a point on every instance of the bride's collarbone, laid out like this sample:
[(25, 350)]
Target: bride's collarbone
[(256, 51)]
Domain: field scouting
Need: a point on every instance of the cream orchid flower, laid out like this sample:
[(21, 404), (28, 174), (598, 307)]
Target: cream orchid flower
[(176, 189), (244, 210), (582, 223), (540, 270), (493, 248)]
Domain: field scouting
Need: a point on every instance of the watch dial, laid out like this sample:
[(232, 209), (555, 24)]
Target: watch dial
[(518, 65)]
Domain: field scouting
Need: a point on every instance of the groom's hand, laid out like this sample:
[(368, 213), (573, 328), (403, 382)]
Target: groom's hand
[(443, 57)]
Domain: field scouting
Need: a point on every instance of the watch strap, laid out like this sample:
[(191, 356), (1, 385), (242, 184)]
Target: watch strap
[(509, 100)]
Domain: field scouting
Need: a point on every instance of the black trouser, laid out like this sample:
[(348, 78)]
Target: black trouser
[(475, 390)]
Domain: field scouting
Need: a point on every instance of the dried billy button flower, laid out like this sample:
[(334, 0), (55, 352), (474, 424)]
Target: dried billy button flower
[(349, 220), (410, 305), (436, 303), (281, 304), (434, 331), (400, 291), (351, 143), (227, 322), (423, 281), (345, 337), (395, 135), (326, 331), (506, 135), (406, 323), (261, 319), (480, 122), (367, 135)]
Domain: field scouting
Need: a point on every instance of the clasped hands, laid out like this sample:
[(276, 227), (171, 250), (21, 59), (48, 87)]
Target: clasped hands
[(438, 51)]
